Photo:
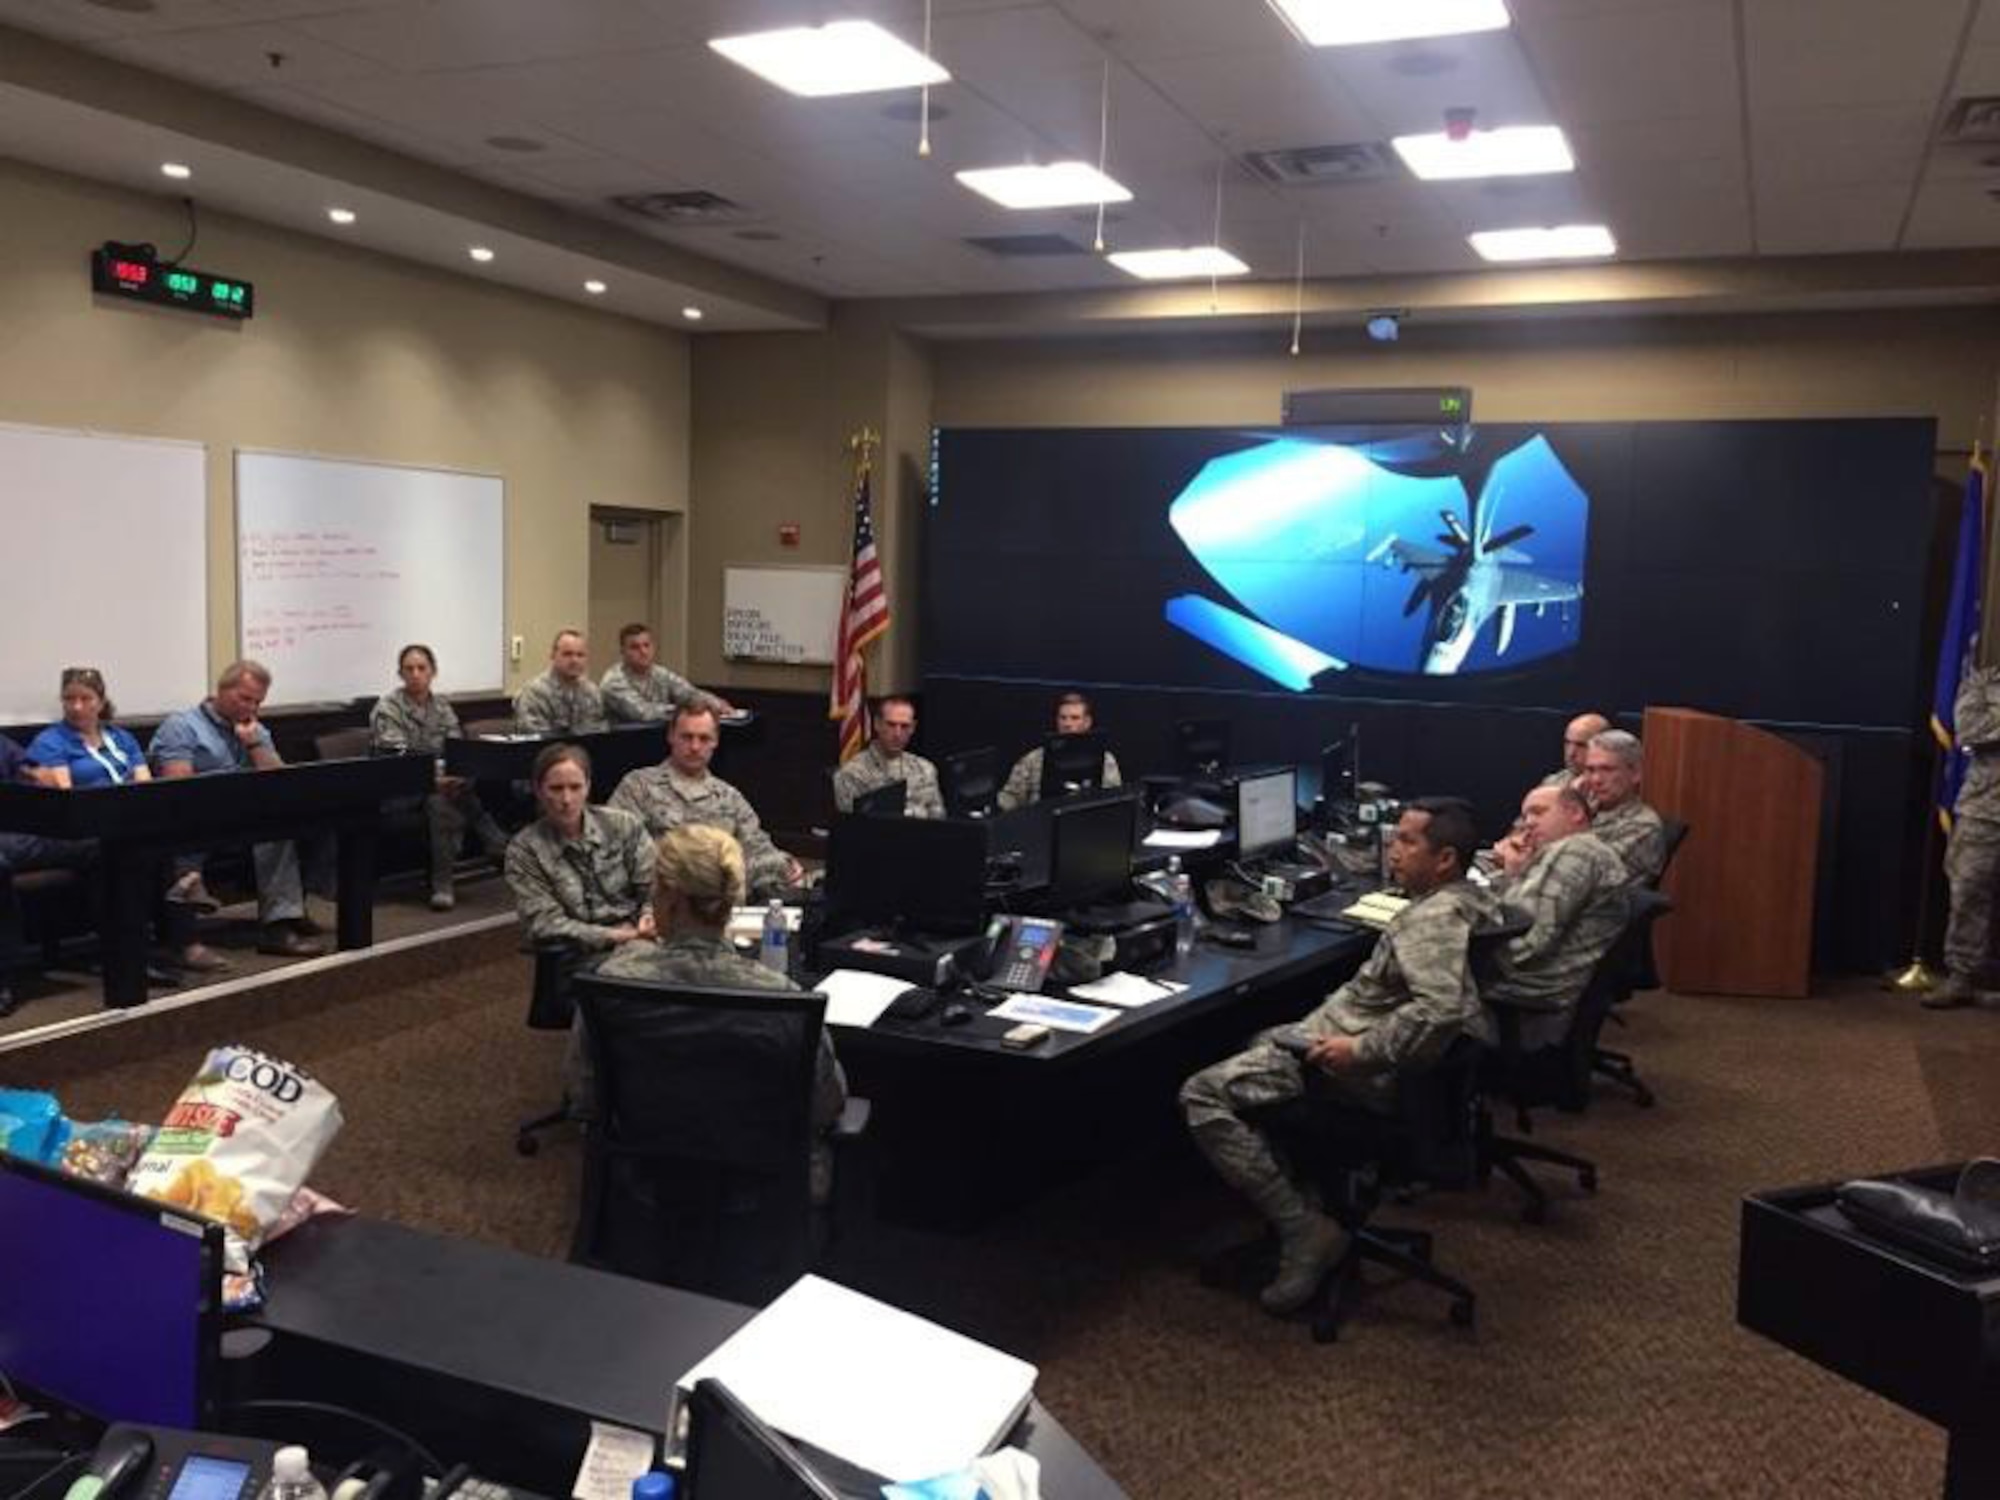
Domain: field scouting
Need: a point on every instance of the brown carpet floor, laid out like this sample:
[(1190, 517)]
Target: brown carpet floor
[(1606, 1362)]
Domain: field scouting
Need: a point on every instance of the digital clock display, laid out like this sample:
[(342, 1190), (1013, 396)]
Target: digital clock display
[(133, 271)]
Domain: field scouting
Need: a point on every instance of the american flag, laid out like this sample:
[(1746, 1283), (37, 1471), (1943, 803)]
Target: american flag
[(864, 616)]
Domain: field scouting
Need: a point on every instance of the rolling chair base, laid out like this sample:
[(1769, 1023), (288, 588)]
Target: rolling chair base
[(1408, 1251), (1618, 1068), (1505, 1154), (527, 1135)]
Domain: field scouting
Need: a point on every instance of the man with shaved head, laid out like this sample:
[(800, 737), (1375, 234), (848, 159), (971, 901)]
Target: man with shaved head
[(1576, 741)]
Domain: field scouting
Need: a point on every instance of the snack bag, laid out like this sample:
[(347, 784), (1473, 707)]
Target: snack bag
[(104, 1150), (240, 1140), (31, 1125)]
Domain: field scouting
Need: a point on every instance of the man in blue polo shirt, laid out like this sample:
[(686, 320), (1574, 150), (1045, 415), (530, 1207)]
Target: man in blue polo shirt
[(223, 733)]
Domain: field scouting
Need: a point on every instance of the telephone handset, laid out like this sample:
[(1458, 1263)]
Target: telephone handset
[(1019, 952), (164, 1463)]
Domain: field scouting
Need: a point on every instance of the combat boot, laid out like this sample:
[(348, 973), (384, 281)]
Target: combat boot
[(1309, 1245), (1953, 992)]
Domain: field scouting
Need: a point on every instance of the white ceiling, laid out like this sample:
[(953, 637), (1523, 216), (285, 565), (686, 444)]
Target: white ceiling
[(1702, 128)]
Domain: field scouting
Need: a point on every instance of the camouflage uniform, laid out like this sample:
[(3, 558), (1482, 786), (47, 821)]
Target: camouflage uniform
[(871, 769), (1634, 832), (1024, 782), (651, 699), (699, 959), (663, 798), (400, 726), (1564, 777), (1573, 892), (579, 889), (551, 706), (1972, 851), (1403, 1007)]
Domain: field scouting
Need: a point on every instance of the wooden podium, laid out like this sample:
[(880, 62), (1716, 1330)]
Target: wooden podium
[(1742, 885)]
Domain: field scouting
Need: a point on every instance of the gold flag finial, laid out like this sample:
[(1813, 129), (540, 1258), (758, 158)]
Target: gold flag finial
[(863, 443)]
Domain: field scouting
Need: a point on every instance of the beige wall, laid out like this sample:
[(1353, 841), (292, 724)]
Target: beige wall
[(352, 355)]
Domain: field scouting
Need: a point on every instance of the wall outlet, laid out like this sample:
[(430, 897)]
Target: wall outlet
[(514, 649)]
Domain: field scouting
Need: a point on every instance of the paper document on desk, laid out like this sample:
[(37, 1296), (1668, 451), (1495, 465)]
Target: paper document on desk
[(1058, 1015), (616, 1456), (1126, 990), (1182, 838), (1375, 909), (857, 999), (870, 1383)]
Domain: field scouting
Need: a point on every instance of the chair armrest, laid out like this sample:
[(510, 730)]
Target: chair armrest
[(853, 1121)]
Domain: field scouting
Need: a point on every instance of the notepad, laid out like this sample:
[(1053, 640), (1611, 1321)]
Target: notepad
[(1126, 990), (1375, 909), (1181, 838), (856, 999), (869, 1383)]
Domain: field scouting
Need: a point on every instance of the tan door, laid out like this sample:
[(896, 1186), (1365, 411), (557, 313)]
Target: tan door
[(624, 579)]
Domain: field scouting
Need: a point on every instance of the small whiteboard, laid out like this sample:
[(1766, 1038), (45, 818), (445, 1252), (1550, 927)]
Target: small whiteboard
[(782, 614)]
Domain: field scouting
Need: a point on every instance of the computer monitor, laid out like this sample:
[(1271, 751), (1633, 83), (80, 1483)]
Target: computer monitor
[(731, 1455), (1267, 812), (889, 800), (113, 1302), (1340, 767), (970, 782), (1201, 746), (1090, 850), (922, 874), (1072, 763)]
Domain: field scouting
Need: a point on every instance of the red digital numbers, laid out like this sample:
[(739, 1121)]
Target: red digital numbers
[(132, 272)]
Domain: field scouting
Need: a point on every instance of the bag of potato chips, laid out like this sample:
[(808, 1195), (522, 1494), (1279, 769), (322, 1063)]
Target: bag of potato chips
[(240, 1140)]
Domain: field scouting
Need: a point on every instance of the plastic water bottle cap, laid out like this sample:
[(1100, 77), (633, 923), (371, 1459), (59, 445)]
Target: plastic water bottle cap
[(653, 1486), (290, 1465)]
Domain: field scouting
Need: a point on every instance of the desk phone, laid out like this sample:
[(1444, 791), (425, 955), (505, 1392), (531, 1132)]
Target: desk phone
[(1020, 952)]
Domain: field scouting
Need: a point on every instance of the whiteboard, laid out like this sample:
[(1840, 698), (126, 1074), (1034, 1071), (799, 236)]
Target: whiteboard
[(104, 563), (340, 564), (782, 614)]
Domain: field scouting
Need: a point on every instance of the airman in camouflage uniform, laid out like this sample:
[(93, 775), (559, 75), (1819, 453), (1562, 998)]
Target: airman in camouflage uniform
[(638, 690), (1577, 735), (581, 890), (400, 725), (888, 758), (1609, 781), (1972, 850), (1572, 890), (1406, 1004), (563, 700), (1024, 782)]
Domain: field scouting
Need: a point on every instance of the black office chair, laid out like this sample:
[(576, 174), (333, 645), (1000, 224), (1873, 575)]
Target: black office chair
[(550, 1008), (970, 782), (1559, 1075), (1643, 974), (697, 1169)]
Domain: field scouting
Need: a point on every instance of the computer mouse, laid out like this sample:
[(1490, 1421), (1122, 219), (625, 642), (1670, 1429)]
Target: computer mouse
[(956, 1014)]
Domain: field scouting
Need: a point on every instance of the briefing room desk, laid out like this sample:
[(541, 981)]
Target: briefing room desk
[(136, 826), (503, 1360), (1906, 1327)]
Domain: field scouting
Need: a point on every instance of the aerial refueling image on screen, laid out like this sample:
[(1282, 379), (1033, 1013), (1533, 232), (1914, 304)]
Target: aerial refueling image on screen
[(1332, 554)]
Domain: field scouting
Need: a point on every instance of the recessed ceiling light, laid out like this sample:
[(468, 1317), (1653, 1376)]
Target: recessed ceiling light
[(692, 314), (844, 57), (176, 170), (1565, 242), (341, 215), (594, 287), (1171, 265), (1512, 151), (480, 253), (1348, 23), (1059, 184)]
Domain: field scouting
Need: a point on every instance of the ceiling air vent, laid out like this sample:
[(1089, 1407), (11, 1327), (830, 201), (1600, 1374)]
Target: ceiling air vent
[(1311, 166), (1972, 122), (1025, 244), (693, 206)]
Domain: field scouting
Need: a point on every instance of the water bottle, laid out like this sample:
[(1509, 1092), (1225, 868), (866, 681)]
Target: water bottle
[(292, 1476), (773, 952), (1182, 890), (654, 1486)]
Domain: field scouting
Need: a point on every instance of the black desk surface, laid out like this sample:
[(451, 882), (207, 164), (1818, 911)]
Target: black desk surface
[(561, 1336)]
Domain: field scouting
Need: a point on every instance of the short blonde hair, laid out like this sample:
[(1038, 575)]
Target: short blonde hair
[(703, 865)]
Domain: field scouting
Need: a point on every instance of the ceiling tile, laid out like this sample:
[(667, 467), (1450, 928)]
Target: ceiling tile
[(1803, 54), (1824, 223), (1633, 65), (441, 35), (234, 58), (1819, 148)]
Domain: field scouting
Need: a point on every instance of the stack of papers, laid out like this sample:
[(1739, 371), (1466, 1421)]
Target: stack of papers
[(857, 999), (869, 1383), (1183, 838), (1375, 909), (1126, 990)]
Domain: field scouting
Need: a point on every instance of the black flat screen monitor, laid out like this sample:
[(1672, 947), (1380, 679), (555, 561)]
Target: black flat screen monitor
[(731, 1455), (890, 800), (1340, 768), (923, 874), (1201, 746), (109, 1304), (1090, 850), (970, 782), (1072, 763), (1267, 812)]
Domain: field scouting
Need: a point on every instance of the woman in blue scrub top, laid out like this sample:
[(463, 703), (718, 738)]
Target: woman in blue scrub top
[(86, 749)]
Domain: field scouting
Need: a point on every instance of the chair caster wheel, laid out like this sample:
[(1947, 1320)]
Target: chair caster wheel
[(1462, 1313), (1326, 1330), (1587, 1180), (1535, 1212), (526, 1145)]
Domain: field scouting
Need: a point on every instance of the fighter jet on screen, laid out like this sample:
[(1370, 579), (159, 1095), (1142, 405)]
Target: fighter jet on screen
[(1477, 577)]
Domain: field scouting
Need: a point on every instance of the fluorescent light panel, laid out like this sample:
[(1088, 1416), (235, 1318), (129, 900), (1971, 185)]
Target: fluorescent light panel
[(1511, 151), (1173, 265), (1564, 242), (1350, 23), (1059, 184), (842, 57)]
